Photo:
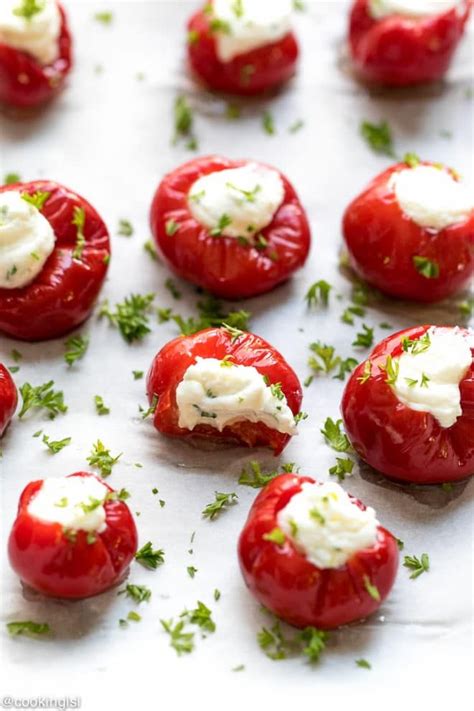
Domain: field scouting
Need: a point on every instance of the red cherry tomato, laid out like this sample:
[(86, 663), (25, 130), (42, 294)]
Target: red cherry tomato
[(171, 363), (223, 265), (399, 442), (8, 398), (250, 73), (71, 567), (383, 241), (400, 51), (285, 582), (63, 294), (26, 83)]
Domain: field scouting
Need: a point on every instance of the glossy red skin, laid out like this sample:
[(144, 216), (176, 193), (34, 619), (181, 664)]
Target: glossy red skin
[(273, 64), (401, 51), (24, 82), (63, 294), (48, 562), (222, 265), (8, 398), (170, 364), (382, 242), (401, 443), (291, 587)]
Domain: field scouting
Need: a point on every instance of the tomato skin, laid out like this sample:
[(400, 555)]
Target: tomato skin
[(48, 562), (8, 398), (401, 443), (24, 83), (382, 242), (63, 295), (222, 265), (172, 361), (273, 64), (297, 591), (401, 51)]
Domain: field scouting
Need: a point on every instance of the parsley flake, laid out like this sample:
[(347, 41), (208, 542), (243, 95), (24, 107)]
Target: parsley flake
[(76, 348), (222, 501), (101, 458), (418, 566), (150, 557), (42, 397)]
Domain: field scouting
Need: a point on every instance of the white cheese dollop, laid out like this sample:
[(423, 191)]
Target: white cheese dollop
[(431, 197), (244, 25), (326, 526), (76, 503), (37, 35), (410, 8), (428, 377), (238, 202), (217, 393), (26, 241)]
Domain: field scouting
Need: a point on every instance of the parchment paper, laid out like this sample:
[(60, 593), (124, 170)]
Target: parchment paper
[(108, 137)]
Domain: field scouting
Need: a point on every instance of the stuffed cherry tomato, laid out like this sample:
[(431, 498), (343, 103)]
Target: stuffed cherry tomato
[(54, 255), (35, 51), (401, 42), (411, 232), (73, 537), (224, 385), (314, 555), (8, 398), (235, 228), (408, 410), (243, 47)]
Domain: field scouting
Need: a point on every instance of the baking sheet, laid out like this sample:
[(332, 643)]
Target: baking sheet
[(108, 137)]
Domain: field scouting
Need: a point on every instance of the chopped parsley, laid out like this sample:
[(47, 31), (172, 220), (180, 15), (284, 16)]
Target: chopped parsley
[(130, 316), (272, 642), (224, 221), (181, 641), (105, 17), (378, 137), (150, 557), (137, 374), (268, 124), (171, 228), (221, 502), (79, 221), (416, 345), (125, 228), (366, 373), (58, 445), (318, 293), (11, 178), (183, 123), (191, 571), (276, 535), (200, 616), (38, 199), (371, 589), (324, 359), (314, 643), (411, 159), (252, 475), (418, 566), (28, 628), (101, 458), (76, 348), (351, 311), (138, 593), (150, 249), (100, 407), (365, 338), (172, 288), (42, 397), (391, 368), (342, 468), (363, 664), (426, 267), (334, 436)]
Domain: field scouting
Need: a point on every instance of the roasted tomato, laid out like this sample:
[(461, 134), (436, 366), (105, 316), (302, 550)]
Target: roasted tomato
[(224, 386), (24, 81), (8, 398), (399, 49), (411, 232), (230, 54), (312, 573), (63, 293), (231, 267), (72, 539), (408, 410)]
